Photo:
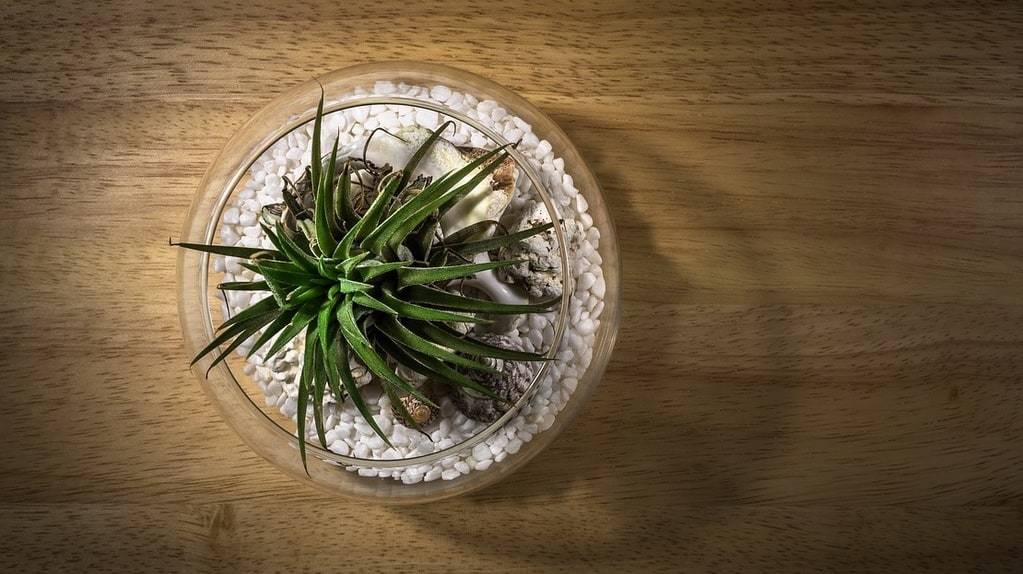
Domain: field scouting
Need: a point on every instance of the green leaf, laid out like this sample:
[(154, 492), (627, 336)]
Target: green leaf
[(294, 252), (250, 330), (343, 205), (407, 225), (325, 269), (349, 264), (474, 247), (303, 391), (362, 347), (353, 391), (420, 153), (439, 298), (386, 189), (349, 286), (302, 317), (400, 334), (282, 321), (403, 220), (291, 201), (463, 189), (367, 300), (302, 295), (450, 376), (324, 208), (475, 232), (285, 273), (443, 335), (413, 311), (370, 272), (344, 247), (259, 308), (324, 320), (278, 289), (399, 407), (315, 165), (240, 252), (319, 383), (422, 275), (330, 357), (244, 286)]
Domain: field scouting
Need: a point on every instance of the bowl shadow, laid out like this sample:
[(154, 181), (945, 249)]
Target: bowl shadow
[(700, 439)]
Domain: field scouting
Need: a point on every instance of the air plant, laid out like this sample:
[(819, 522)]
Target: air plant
[(373, 282)]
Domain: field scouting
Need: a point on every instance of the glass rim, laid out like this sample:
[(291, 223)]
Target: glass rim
[(296, 122)]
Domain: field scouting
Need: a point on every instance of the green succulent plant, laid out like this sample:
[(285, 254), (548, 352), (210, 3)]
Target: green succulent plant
[(372, 282)]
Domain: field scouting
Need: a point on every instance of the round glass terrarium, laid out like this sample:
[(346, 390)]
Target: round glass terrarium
[(394, 96)]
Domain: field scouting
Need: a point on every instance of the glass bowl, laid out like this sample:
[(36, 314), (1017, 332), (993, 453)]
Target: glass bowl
[(374, 87)]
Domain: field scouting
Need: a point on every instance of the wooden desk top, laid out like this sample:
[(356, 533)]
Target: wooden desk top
[(821, 218)]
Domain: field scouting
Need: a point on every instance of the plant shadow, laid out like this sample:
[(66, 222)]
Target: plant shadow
[(644, 453)]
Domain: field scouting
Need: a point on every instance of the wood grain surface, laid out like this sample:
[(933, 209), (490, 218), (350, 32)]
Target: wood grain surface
[(821, 360)]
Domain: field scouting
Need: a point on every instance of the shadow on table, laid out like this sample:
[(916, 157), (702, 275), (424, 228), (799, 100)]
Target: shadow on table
[(643, 453)]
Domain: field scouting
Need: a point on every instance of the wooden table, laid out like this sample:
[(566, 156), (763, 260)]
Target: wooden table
[(821, 360)]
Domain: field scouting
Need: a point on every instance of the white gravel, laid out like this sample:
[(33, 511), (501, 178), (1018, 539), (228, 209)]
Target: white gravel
[(347, 432)]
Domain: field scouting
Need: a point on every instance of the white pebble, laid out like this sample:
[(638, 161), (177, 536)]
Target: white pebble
[(513, 446), (542, 149), (231, 215), (384, 422), (440, 93), (482, 452), (585, 281), (429, 119), (450, 474)]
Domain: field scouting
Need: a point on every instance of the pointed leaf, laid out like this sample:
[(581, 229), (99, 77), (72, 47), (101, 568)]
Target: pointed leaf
[(343, 206), (413, 311), (353, 391), (445, 300), (303, 391), (422, 275), (450, 376), (420, 153), (474, 247), (229, 251), (371, 272), (475, 232), (315, 165), (367, 300), (294, 252), (244, 286), (302, 317), (400, 334), (399, 224), (282, 321), (259, 308), (364, 350), (386, 189), (349, 264), (443, 335), (324, 210), (349, 286), (319, 383), (240, 331)]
